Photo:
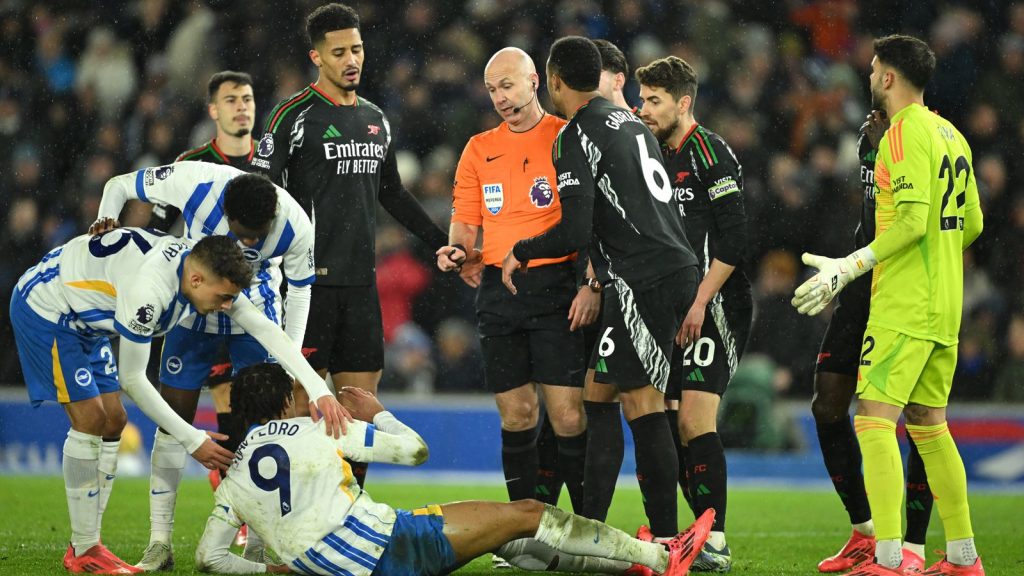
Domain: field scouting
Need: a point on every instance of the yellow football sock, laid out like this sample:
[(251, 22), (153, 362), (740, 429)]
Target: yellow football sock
[(883, 474), (946, 476)]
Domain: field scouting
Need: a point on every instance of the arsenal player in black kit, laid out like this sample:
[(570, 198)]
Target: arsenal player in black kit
[(332, 150), (707, 182), (616, 197)]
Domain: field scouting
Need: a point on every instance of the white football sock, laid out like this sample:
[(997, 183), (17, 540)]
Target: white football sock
[(168, 464), (107, 473), (915, 548), (717, 540), (865, 528), (889, 553), (581, 536), (531, 554), (961, 552), (81, 485)]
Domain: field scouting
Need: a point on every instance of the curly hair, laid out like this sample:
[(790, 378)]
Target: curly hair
[(259, 393), (577, 61), (328, 18), (221, 256), (251, 199), (673, 74)]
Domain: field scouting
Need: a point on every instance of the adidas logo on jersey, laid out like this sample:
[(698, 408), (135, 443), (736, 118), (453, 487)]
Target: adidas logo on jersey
[(331, 132)]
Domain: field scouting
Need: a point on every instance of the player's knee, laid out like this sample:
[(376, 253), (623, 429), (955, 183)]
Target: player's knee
[(919, 415), (569, 420), (829, 408), (518, 413), (116, 420), (92, 421)]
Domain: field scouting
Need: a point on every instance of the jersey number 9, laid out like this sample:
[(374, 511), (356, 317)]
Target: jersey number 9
[(280, 481)]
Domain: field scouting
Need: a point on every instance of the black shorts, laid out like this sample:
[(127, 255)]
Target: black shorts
[(710, 363), (841, 346), (525, 337), (345, 332), (636, 338)]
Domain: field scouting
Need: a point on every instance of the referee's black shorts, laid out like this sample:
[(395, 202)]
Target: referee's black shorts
[(345, 332), (525, 337), (841, 346)]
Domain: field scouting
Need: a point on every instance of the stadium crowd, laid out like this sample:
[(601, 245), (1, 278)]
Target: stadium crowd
[(89, 91)]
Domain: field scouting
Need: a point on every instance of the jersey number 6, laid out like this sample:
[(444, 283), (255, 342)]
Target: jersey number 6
[(653, 170)]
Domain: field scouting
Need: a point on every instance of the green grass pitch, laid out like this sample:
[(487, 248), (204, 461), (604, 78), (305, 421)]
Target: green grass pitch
[(771, 532)]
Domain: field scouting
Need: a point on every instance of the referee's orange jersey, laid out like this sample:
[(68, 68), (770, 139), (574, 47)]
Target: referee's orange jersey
[(505, 183)]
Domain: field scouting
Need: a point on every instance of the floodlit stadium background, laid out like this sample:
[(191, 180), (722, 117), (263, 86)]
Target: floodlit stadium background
[(91, 90)]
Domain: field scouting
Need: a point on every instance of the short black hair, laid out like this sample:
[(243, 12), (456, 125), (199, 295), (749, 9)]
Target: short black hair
[(612, 59), (911, 56), (221, 256), (577, 61), (328, 18), (671, 73), (239, 78), (251, 199), (259, 393)]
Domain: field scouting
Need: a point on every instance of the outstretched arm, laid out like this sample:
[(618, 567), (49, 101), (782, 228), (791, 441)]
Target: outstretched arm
[(213, 554), (132, 362)]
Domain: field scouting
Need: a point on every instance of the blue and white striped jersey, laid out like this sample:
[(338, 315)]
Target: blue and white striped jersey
[(125, 282), (291, 484), (197, 189)]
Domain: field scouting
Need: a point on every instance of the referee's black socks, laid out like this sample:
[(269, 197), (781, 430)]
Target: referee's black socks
[(520, 463), (572, 452), (549, 481), (605, 447), (657, 470)]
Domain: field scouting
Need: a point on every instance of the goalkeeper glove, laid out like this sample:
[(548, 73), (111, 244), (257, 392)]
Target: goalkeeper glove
[(833, 275)]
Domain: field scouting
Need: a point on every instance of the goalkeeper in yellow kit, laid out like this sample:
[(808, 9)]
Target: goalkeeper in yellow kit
[(927, 213)]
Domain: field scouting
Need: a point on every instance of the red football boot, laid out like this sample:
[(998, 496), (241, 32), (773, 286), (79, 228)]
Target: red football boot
[(96, 560), (944, 568), (858, 548), (684, 548)]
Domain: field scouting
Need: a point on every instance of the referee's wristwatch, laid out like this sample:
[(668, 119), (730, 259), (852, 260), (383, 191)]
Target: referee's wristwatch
[(593, 283)]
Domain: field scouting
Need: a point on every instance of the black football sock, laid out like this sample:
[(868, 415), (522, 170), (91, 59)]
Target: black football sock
[(605, 448), (549, 482), (919, 497), (841, 453), (657, 470), (519, 461), (681, 452), (572, 451), (359, 471), (708, 480), (228, 423)]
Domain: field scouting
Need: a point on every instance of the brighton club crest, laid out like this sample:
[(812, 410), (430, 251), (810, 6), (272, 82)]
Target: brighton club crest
[(541, 193)]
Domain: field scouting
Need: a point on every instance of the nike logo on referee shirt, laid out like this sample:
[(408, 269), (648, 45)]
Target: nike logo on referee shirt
[(492, 158)]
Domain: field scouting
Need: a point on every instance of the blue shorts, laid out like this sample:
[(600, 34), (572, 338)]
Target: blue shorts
[(418, 546), (188, 356), (59, 363)]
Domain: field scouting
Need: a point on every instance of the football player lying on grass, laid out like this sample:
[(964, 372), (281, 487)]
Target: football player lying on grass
[(290, 483)]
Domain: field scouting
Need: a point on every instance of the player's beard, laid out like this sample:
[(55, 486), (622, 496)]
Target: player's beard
[(664, 134), (877, 99), (242, 132)]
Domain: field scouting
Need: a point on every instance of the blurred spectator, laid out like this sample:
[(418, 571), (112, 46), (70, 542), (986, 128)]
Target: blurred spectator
[(1010, 381), (400, 278), (408, 361), (459, 361), (106, 73), (790, 340)]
